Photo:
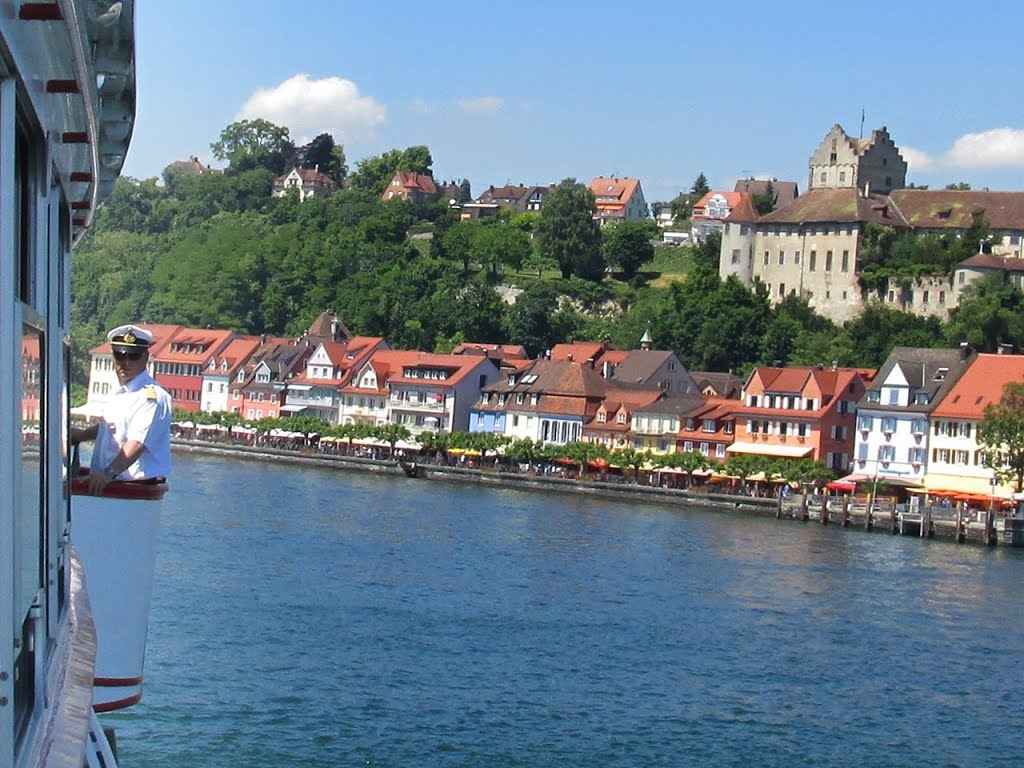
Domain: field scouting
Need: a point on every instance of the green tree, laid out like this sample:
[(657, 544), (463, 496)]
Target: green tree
[(374, 173), (567, 232), (990, 313), (129, 206), (1001, 434), (632, 458), (743, 465), (878, 329), (764, 202), (687, 461), (391, 433), (257, 143), (525, 451), (536, 262), (700, 186), (458, 242), (628, 245), (530, 321), (497, 243), (323, 154)]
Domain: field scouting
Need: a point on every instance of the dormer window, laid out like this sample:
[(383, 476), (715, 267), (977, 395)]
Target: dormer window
[(241, 375), (621, 418), (602, 417), (940, 375)]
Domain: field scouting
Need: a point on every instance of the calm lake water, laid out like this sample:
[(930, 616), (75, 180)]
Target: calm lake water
[(314, 617)]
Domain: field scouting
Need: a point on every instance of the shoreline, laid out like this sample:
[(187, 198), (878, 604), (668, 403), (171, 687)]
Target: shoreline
[(885, 516)]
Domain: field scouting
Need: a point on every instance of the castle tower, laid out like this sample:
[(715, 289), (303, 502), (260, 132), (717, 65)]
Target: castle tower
[(871, 165)]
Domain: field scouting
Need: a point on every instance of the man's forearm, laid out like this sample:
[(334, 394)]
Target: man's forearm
[(128, 455)]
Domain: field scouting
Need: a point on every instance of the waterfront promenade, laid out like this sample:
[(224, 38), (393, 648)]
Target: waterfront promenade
[(955, 524)]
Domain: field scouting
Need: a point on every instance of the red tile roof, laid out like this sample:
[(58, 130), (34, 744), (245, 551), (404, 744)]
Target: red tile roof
[(579, 351), (744, 210), (980, 385)]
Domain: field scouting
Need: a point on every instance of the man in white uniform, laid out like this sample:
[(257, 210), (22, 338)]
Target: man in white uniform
[(133, 437)]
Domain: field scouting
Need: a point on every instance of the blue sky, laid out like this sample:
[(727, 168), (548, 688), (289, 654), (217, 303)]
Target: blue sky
[(535, 93)]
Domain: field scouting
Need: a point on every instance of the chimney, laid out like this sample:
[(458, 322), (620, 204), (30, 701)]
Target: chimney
[(965, 350)]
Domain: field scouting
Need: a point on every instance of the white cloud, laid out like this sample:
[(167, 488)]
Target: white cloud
[(997, 148), (425, 108), (917, 159), (310, 107), (481, 104)]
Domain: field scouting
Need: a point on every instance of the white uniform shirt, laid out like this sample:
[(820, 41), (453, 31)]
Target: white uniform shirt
[(141, 411)]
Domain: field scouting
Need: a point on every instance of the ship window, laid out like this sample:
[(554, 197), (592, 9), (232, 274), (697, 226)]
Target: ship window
[(29, 548), (24, 210)]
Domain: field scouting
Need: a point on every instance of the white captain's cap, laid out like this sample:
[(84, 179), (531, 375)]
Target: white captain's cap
[(130, 336)]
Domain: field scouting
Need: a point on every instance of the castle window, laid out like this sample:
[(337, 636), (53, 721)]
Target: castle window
[(814, 261)]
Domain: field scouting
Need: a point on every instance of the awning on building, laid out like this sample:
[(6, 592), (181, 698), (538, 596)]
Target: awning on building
[(771, 449), (293, 408)]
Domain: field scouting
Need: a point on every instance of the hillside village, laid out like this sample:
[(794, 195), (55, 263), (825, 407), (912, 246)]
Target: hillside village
[(810, 245), (913, 422)]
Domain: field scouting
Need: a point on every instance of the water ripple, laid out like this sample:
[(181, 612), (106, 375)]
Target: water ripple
[(319, 618)]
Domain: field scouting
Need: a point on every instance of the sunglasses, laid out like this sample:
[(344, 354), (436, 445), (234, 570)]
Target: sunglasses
[(127, 355)]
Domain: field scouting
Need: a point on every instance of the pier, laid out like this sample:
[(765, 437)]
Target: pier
[(955, 524)]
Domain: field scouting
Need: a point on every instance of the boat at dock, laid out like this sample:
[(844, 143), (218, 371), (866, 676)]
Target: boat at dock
[(76, 573)]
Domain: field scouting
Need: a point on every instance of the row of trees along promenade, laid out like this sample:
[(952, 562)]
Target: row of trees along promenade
[(791, 488)]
